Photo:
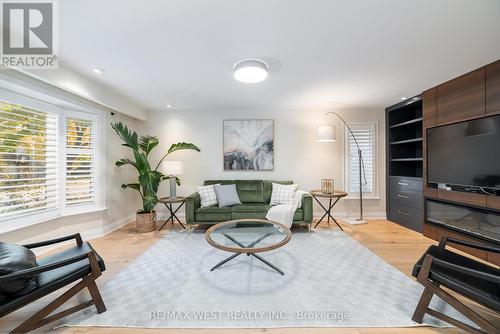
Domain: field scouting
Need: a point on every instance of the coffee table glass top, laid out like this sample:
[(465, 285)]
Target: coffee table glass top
[(248, 235)]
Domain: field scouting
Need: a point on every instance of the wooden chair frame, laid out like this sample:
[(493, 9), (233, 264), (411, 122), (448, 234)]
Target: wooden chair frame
[(432, 288), (43, 316)]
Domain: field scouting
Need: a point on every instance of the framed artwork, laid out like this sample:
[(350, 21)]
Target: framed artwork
[(249, 144)]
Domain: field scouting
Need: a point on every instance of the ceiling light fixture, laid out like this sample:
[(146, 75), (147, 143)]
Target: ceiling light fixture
[(169, 106), (250, 70), (98, 70), (403, 98)]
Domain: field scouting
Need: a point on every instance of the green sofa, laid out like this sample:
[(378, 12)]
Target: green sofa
[(254, 195)]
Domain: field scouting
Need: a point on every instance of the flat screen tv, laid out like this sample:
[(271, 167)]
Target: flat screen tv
[(465, 154)]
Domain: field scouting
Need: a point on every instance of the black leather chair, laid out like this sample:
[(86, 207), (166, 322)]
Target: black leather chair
[(477, 281), (78, 263)]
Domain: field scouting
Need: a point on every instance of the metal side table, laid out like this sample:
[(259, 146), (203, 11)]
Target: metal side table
[(169, 203), (333, 199)]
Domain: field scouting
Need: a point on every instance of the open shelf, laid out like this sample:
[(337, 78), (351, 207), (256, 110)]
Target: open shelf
[(411, 121), (407, 141), (408, 159)]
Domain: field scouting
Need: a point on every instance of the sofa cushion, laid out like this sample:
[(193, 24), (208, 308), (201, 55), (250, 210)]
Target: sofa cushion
[(283, 194), (250, 211), (268, 189), (213, 214), (250, 191), (15, 258), (226, 195)]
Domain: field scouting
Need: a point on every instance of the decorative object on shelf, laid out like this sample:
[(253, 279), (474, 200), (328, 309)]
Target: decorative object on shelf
[(326, 133), (173, 169), (250, 70), (249, 144), (333, 198), (149, 178), (327, 186)]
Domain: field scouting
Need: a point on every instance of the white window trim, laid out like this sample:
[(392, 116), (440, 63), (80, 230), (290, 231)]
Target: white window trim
[(9, 224), (345, 137)]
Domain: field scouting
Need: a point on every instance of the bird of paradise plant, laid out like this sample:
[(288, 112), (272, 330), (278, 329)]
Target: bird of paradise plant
[(149, 179)]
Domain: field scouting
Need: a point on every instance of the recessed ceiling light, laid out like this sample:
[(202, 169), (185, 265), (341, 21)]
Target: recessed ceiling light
[(403, 98), (98, 70), (250, 70), (169, 106)]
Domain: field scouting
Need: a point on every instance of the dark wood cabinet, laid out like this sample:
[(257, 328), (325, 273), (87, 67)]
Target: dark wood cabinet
[(462, 98), (404, 163), (429, 108), (436, 232), (493, 88)]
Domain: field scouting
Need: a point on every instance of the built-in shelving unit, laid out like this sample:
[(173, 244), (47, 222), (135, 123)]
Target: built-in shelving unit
[(404, 123)]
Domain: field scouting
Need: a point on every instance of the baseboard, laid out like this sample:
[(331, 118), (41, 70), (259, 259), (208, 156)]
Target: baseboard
[(316, 215), (91, 234)]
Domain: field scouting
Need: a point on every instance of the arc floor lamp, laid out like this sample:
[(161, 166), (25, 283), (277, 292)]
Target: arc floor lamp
[(327, 133)]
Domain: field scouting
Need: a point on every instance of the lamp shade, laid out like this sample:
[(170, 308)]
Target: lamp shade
[(326, 133), (172, 167)]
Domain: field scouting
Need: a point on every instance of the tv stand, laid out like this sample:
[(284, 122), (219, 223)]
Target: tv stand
[(465, 189)]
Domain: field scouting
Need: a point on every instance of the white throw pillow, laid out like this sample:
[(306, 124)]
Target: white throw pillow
[(283, 194), (207, 195)]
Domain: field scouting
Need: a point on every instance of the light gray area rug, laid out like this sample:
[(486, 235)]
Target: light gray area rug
[(331, 281)]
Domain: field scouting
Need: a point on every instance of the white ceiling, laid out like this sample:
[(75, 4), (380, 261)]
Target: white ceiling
[(344, 53)]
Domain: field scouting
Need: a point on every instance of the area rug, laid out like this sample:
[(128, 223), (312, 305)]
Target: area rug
[(330, 281)]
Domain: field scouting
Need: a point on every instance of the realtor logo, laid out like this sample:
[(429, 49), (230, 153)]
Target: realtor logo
[(28, 34)]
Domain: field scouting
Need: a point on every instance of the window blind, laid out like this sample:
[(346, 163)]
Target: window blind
[(80, 162), (28, 160), (366, 137)]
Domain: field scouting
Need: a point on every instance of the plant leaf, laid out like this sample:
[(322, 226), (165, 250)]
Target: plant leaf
[(182, 146), (135, 186), (130, 138), (150, 182), (167, 177), (147, 143), (149, 202), (125, 161)]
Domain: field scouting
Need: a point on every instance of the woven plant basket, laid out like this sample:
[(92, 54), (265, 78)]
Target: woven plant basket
[(145, 222)]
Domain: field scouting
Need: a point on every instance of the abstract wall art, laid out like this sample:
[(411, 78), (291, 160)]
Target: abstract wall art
[(249, 144)]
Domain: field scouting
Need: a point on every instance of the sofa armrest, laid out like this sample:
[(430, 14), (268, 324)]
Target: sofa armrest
[(193, 202), (307, 206)]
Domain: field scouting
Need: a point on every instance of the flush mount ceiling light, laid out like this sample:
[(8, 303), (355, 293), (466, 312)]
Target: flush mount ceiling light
[(250, 70), (98, 70)]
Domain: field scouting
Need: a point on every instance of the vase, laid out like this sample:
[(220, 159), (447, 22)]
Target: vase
[(327, 186)]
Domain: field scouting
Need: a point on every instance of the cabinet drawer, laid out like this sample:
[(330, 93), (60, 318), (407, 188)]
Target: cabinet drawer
[(405, 184), (411, 198), (406, 216)]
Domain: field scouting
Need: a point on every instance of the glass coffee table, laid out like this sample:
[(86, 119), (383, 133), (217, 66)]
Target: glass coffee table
[(248, 236)]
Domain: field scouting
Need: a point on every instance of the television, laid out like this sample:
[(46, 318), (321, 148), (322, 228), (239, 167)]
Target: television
[(465, 154)]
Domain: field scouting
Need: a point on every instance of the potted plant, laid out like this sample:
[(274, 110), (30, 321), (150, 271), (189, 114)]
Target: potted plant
[(149, 179)]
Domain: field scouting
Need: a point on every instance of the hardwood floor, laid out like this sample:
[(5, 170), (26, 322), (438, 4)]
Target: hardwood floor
[(398, 246)]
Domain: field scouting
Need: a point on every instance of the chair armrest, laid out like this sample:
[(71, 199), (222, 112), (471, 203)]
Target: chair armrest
[(445, 240), (307, 206), (193, 202), (76, 236), (465, 270), (51, 266)]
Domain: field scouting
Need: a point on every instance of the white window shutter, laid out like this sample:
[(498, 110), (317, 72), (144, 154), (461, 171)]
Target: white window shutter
[(28, 160), (366, 138), (80, 161)]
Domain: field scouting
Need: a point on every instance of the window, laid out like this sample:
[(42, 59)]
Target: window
[(366, 136), (28, 160), (48, 160), (80, 158)]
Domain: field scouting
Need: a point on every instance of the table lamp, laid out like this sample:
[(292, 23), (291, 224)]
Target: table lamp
[(172, 169)]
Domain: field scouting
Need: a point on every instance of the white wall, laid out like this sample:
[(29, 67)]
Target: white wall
[(120, 204), (297, 155)]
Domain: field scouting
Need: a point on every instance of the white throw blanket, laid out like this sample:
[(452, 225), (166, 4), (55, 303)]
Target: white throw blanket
[(283, 213)]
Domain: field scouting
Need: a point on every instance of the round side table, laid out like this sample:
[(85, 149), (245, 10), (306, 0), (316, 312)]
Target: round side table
[(169, 202), (333, 199)]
